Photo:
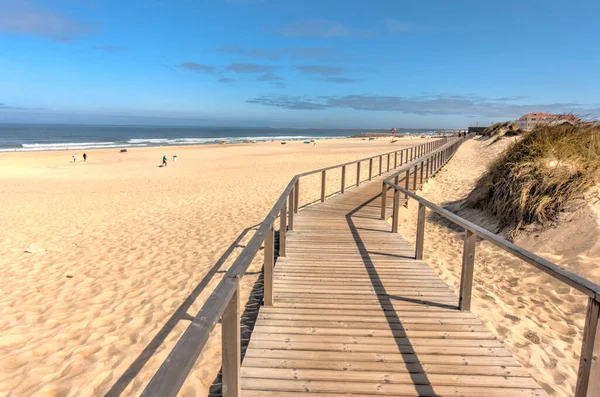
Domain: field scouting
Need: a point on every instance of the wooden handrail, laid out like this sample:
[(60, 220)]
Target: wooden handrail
[(588, 380), (171, 375)]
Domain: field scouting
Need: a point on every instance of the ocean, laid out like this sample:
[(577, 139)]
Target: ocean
[(39, 137)]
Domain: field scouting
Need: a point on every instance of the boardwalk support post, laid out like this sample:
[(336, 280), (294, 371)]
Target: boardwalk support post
[(395, 160), (383, 200), (388, 163), (283, 229), (415, 179), (466, 278), (358, 174), (323, 185), (291, 209), (370, 169), (420, 232), (297, 195), (380, 164), (343, 179), (406, 179), (268, 267), (588, 379), (230, 346), (401, 157), (396, 208)]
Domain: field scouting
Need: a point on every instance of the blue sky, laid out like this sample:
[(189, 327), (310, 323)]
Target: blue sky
[(325, 63)]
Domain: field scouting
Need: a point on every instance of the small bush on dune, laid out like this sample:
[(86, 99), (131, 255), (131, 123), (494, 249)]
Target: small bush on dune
[(539, 174)]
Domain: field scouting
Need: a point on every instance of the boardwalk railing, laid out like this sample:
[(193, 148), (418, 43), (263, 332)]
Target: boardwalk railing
[(588, 381), (224, 302)]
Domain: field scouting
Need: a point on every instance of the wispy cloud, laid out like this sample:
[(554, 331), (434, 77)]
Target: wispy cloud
[(226, 80), (251, 68), (320, 69), (197, 67), (4, 106), (394, 26), (321, 28), (109, 48), (424, 105), (275, 54), (289, 102), (337, 80), (26, 18)]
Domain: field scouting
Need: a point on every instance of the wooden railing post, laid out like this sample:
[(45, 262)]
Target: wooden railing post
[(291, 209), (370, 169), (283, 229), (588, 379), (411, 155), (343, 179), (297, 195), (415, 179), (401, 157), (427, 169), (358, 174), (466, 278), (406, 178), (420, 232), (380, 164), (269, 264), (388, 163), (323, 185), (231, 347), (395, 208), (422, 164), (383, 200), (395, 160)]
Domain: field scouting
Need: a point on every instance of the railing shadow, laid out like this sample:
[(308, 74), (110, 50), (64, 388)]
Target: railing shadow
[(180, 314), (415, 369)]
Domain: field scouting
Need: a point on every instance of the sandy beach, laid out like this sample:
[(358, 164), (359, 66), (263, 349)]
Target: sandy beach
[(118, 244), (538, 318)]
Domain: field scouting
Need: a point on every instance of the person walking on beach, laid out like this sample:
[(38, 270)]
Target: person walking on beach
[(164, 160), (75, 157), (84, 157)]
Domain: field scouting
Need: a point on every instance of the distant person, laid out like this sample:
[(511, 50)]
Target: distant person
[(84, 157), (164, 160), (75, 157), (174, 158), (314, 144)]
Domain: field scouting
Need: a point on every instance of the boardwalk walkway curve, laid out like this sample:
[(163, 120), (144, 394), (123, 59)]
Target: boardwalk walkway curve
[(351, 309)]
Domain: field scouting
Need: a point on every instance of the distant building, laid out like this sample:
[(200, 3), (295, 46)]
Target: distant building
[(530, 120), (476, 130)]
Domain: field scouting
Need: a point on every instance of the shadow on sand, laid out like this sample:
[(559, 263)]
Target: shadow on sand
[(180, 314)]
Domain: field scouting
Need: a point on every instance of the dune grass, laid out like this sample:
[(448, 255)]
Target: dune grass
[(538, 175)]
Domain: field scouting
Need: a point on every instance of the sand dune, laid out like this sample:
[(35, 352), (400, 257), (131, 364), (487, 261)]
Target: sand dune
[(538, 318), (119, 244)]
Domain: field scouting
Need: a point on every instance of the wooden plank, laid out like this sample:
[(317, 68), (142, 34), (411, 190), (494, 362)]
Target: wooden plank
[(588, 379), (268, 267), (231, 347), (408, 392), (372, 333), (389, 342), (394, 357), (466, 279), (489, 370), (420, 232), (323, 185), (391, 377)]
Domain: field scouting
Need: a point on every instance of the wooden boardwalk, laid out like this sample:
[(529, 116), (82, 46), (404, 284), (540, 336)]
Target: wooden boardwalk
[(356, 315)]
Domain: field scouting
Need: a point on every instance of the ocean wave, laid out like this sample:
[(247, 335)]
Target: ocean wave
[(38, 147), (237, 139)]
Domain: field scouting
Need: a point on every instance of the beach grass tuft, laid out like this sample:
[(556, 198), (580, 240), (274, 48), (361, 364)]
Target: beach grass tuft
[(539, 175)]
